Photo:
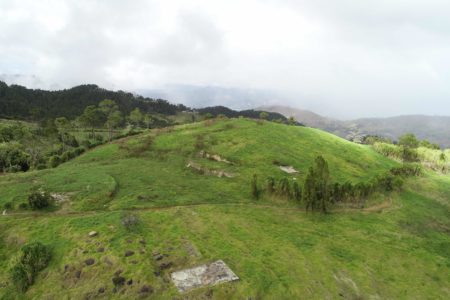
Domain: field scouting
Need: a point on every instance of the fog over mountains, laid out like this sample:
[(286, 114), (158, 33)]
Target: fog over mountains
[(436, 129)]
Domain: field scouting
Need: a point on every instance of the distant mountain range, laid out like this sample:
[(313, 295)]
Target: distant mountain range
[(436, 129)]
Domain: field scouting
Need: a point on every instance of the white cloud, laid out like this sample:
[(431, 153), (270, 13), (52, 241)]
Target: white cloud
[(344, 58)]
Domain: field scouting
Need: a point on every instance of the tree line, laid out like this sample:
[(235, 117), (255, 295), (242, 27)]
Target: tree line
[(18, 102), (318, 193)]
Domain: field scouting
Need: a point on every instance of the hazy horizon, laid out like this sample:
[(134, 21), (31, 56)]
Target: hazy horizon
[(344, 60)]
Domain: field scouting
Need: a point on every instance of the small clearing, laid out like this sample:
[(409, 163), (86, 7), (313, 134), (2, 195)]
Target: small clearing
[(204, 275)]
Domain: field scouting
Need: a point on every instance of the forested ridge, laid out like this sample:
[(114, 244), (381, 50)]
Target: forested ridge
[(18, 102)]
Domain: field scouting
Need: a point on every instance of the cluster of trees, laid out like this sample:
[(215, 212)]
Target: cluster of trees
[(319, 193), (407, 140), (22, 103), (50, 142), (222, 111), (410, 149)]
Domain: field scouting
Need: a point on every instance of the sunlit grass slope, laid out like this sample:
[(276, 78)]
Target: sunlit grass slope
[(151, 169), (398, 250), (401, 252)]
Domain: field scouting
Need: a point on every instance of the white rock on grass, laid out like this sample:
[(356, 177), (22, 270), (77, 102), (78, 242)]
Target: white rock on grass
[(93, 233), (204, 275)]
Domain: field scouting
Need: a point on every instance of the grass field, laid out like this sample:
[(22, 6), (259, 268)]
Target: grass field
[(400, 250)]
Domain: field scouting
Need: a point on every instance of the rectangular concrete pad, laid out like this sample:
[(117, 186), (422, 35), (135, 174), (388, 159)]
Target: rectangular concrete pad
[(204, 275)]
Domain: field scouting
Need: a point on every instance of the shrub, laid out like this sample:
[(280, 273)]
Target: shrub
[(23, 205), (33, 258), (271, 185), (254, 185), (39, 200), (130, 220), (19, 277), (296, 191), (8, 205), (54, 161), (41, 166)]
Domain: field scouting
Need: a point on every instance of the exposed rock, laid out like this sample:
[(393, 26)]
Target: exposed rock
[(89, 261), (93, 233), (203, 275), (288, 169), (129, 253)]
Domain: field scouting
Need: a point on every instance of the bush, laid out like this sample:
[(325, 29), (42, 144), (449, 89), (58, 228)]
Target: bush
[(39, 200), (130, 220), (254, 185), (41, 167), (23, 205), (33, 258), (19, 277), (8, 205), (54, 161)]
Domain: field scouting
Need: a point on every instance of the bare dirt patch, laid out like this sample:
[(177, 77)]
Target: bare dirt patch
[(215, 157), (202, 170), (204, 275)]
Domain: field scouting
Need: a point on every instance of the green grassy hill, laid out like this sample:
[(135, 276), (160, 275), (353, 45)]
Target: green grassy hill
[(395, 247)]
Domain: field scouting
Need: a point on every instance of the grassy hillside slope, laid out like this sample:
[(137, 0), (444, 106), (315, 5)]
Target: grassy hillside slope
[(150, 170), (398, 249)]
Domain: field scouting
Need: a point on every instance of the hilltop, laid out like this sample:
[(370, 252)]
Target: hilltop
[(177, 197)]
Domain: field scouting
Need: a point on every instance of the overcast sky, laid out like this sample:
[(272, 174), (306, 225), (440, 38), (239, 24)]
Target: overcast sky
[(346, 58)]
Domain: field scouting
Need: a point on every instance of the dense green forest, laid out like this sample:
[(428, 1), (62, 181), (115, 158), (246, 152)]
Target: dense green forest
[(19, 102)]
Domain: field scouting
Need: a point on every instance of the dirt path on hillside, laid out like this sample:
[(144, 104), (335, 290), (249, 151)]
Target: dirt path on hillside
[(386, 205)]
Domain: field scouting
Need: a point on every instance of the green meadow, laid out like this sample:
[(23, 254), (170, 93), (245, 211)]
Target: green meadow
[(397, 246)]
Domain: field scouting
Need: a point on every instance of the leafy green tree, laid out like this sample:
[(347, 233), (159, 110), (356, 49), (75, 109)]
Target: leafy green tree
[(112, 114), (148, 120), (63, 126), (316, 193), (92, 117), (136, 117), (291, 121), (408, 140), (263, 115)]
